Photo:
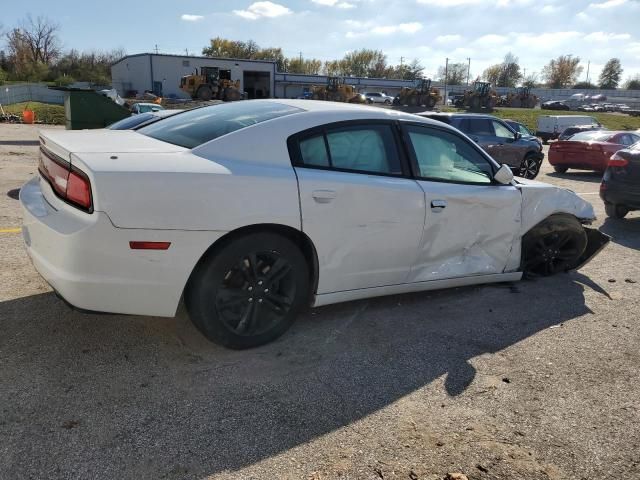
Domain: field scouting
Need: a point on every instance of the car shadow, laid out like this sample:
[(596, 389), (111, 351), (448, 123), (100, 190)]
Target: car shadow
[(150, 396), (623, 231), (578, 175)]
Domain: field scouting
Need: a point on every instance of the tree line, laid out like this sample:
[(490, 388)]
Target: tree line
[(33, 52)]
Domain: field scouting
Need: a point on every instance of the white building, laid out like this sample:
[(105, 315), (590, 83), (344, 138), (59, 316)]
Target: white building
[(160, 73)]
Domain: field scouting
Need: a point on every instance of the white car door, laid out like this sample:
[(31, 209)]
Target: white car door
[(363, 213), (471, 223)]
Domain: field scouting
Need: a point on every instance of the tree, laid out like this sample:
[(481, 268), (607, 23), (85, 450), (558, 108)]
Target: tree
[(509, 71), (530, 80), (492, 73), (562, 71), (584, 85), (611, 74), (3, 76), (411, 71), (456, 74), (307, 66), (633, 83), (37, 39)]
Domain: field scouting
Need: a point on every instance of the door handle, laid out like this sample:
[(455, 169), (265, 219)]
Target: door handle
[(323, 196), (438, 205)]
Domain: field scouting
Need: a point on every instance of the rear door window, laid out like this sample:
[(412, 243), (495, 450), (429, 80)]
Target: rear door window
[(480, 126)]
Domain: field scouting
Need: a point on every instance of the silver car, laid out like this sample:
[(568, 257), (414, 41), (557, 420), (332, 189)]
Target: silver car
[(378, 97)]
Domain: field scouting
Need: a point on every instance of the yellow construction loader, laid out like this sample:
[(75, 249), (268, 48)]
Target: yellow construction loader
[(421, 94), (336, 90), (482, 96), (522, 98), (211, 83)]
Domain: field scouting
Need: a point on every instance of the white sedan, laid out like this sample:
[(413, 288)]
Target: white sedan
[(252, 211)]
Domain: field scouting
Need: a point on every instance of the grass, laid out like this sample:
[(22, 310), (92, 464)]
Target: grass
[(529, 117), (45, 112)]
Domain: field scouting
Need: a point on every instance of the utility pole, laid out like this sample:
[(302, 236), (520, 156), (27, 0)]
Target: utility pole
[(446, 73), (588, 65), (156, 48), (468, 70), (300, 57), (186, 51)]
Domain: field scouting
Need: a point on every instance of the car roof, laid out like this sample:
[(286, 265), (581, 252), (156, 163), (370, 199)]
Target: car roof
[(457, 115)]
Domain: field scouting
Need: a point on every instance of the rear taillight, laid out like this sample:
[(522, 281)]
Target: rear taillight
[(68, 182), (618, 161)]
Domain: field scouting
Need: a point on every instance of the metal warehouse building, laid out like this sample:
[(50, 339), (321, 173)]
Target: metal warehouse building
[(161, 73)]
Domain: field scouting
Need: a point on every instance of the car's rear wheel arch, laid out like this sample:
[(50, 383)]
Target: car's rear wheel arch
[(299, 238)]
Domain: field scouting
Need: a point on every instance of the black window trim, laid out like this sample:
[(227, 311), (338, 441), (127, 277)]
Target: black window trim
[(293, 145), (415, 170)]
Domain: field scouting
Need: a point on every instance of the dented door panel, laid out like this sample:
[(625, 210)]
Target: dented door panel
[(473, 235)]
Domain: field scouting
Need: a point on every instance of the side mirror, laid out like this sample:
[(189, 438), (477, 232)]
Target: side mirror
[(504, 175), (518, 136)]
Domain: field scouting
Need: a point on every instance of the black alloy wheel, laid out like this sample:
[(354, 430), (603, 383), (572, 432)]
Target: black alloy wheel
[(554, 245), (256, 293), (248, 291), (529, 167)]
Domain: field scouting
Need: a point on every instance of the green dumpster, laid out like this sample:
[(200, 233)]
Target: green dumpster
[(85, 108)]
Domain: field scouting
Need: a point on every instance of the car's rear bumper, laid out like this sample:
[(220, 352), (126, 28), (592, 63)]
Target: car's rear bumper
[(89, 262), (619, 193)]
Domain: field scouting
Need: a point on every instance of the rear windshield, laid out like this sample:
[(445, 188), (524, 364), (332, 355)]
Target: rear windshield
[(198, 126), (594, 136), (132, 121)]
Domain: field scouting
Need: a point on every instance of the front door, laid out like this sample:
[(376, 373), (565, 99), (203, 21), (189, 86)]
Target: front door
[(471, 222), (364, 215)]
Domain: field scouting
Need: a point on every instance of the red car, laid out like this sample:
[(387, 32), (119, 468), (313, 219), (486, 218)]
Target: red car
[(589, 150)]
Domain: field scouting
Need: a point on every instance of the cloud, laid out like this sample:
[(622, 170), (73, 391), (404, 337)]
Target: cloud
[(491, 39), (448, 38), (464, 3), (335, 3), (547, 9), (608, 4), (191, 18), (411, 27), (605, 37), (263, 9)]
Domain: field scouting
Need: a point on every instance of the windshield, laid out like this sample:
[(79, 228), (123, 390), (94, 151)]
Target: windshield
[(594, 136), (133, 121), (202, 125)]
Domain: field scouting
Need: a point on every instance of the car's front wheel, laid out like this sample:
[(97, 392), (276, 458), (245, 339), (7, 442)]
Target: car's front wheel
[(554, 245), (530, 167), (615, 211), (249, 292)]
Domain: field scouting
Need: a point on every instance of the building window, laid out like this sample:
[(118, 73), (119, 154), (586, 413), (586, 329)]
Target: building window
[(185, 63)]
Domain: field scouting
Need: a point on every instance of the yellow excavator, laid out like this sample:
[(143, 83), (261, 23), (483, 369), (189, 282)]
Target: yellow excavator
[(421, 94), (482, 96), (211, 83), (336, 90), (522, 98)]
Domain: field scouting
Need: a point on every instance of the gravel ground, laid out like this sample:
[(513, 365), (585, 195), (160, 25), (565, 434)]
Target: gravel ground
[(534, 380)]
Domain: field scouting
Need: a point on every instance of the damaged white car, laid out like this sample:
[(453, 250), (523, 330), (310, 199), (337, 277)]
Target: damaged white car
[(252, 211)]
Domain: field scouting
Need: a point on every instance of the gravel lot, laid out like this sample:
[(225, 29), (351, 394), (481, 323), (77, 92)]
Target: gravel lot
[(534, 380)]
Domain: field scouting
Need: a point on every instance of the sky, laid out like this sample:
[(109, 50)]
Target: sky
[(429, 30)]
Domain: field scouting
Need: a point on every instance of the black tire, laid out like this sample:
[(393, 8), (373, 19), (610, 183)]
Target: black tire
[(530, 167), (431, 102), (554, 245), (265, 270), (476, 103), (369, 101), (561, 169), (615, 211), (205, 93), (387, 102)]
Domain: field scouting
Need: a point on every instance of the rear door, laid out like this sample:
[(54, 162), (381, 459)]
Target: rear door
[(358, 204), (471, 223), (481, 131)]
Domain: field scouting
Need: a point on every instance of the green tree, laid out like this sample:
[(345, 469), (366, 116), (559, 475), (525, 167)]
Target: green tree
[(456, 74), (3, 76), (611, 74), (562, 72), (509, 71), (530, 80), (492, 73), (584, 85), (307, 66), (633, 83)]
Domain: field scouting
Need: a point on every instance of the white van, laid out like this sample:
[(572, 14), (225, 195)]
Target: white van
[(551, 126)]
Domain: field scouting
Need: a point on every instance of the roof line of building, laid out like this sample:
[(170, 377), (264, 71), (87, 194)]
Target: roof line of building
[(191, 56)]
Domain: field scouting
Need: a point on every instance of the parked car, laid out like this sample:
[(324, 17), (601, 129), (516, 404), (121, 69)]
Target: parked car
[(550, 127), (523, 154), (570, 131), (555, 105), (621, 107), (585, 108), (522, 129), (137, 108), (378, 97), (252, 211), (589, 150), (620, 187), (141, 119)]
